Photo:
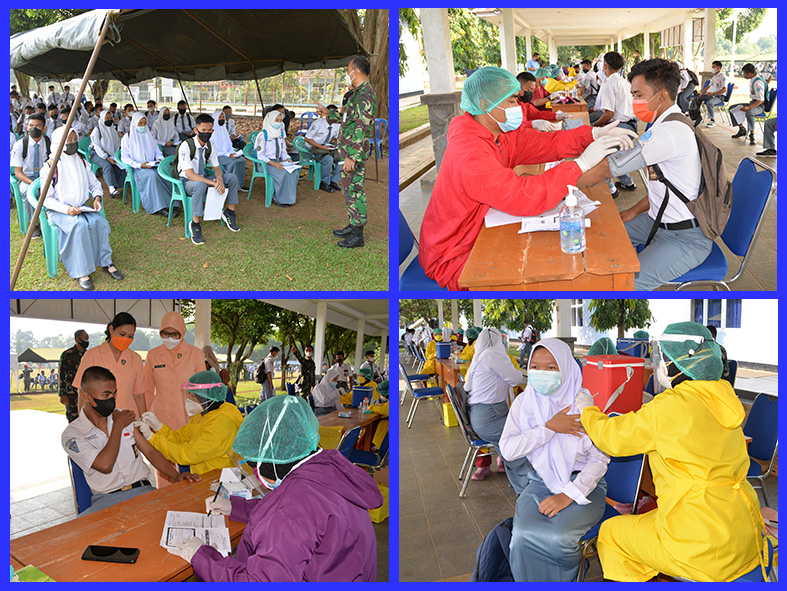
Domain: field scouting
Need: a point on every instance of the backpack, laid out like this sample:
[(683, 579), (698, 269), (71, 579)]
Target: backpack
[(767, 104), (261, 376), (177, 114), (534, 335), (26, 142), (192, 152), (713, 204), (492, 560)]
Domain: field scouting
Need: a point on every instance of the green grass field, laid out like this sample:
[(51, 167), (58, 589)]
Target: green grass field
[(413, 117)]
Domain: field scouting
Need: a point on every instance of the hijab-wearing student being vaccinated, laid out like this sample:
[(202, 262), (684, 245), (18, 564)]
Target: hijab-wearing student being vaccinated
[(477, 170)]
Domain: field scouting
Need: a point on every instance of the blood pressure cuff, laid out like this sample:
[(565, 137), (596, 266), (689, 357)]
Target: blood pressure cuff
[(626, 161)]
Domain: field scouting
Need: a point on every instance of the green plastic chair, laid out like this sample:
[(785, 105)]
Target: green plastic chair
[(48, 232), (21, 213), (84, 149), (315, 168), (253, 136), (259, 169), (135, 201), (178, 193)]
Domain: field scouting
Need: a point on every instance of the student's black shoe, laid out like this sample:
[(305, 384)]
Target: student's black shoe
[(244, 189), (85, 284), (327, 188), (36, 233), (116, 274), (769, 153), (336, 186), (741, 133), (277, 204), (346, 231), (196, 234), (616, 194), (175, 213), (228, 217), (163, 213), (631, 187), (355, 239), (752, 142)]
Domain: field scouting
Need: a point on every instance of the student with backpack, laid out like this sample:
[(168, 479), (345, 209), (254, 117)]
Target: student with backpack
[(184, 122), (27, 157), (758, 95)]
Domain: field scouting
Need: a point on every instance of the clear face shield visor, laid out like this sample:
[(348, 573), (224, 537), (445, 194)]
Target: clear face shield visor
[(193, 403), (659, 361)]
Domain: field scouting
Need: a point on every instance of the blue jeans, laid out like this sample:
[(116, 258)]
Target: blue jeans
[(711, 102)]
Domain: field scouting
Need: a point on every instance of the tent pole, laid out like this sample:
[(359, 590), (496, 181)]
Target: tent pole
[(257, 84), (58, 150), (183, 91), (131, 94)]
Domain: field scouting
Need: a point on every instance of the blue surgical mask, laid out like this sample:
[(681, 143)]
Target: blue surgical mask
[(142, 129), (277, 124), (272, 485), (513, 118), (544, 382)]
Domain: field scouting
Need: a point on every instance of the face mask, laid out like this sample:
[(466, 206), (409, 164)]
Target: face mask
[(193, 408), (527, 96), (370, 359), (71, 148), (513, 118), (104, 407), (121, 343), (543, 82), (221, 121), (64, 120), (142, 129), (309, 354), (182, 111), (348, 79), (35, 133), (277, 124), (109, 123), (272, 485), (166, 116), (171, 343), (53, 116), (544, 382), (204, 136), (642, 110), (84, 344), (228, 116), (663, 377)]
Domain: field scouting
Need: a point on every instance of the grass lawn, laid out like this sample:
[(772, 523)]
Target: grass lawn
[(413, 117), (279, 249)]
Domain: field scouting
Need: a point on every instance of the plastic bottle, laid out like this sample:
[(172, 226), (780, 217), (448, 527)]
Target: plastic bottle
[(572, 225)]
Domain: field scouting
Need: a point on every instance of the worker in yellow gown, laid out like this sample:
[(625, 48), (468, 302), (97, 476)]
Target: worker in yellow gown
[(431, 351), (469, 350), (708, 525), (206, 440), (380, 406), (365, 379)]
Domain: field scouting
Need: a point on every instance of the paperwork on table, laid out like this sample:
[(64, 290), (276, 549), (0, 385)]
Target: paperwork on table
[(211, 529), (547, 221)]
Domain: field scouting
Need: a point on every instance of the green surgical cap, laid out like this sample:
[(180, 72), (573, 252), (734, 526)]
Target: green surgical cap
[(472, 333), (641, 334), (366, 372), (486, 88), (217, 393), (554, 70), (281, 430), (603, 346), (460, 331), (543, 73), (699, 362), (382, 388)]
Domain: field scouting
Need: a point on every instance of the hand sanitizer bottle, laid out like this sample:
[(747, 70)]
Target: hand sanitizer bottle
[(572, 225)]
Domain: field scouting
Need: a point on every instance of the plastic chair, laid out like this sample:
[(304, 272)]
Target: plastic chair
[(48, 232), (83, 496), (623, 480), (348, 441), (259, 170), (474, 442), (762, 425), (649, 387), (766, 114), (380, 129), (84, 149), (135, 201), (433, 394), (330, 436), (310, 117), (315, 167), (752, 192), (724, 107), (21, 212), (370, 460), (253, 136), (164, 170), (290, 389), (413, 277), (733, 371)]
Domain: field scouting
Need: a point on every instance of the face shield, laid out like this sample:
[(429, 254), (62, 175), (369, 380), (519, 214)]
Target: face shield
[(681, 348), (193, 403)]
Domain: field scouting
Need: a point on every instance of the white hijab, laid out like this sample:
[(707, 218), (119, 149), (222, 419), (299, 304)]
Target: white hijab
[(108, 137), (72, 183), (554, 461), (324, 388), (221, 138), (267, 125), (164, 130), (446, 334), (141, 146), (489, 353)]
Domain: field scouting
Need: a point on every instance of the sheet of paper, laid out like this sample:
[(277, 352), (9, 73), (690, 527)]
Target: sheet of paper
[(230, 475), (87, 209), (238, 153), (543, 225), (495, 217), (214, 204), (211, 529), (291, 166), (331, 146)]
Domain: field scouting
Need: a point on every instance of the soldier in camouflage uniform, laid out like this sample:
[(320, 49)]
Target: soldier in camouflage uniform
[(307, 369), (357, 119), (69, 364)]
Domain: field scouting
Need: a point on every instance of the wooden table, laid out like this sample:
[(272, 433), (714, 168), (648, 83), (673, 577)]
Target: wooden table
[(358, 419), (447, 374), (569, 107), (502, 259), (583, 115), (135, 523)]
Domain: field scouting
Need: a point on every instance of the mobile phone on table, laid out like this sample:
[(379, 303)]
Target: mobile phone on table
[(111, 554)]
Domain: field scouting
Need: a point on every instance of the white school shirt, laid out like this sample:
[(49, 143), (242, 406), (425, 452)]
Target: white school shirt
[(589, 84), (717, 83), (492, 378), (408, 338), (52, 202), (684, 81), (83, 441), (185, 163), (151, 118), (318, 131), (125, 125), (183, 123), (617, 98), (163, 140), (345, 371), (230, 123), (266, 149), (68, 99), (52, 125), (94, 143), (27, 164), (756, 89), (374, 367), (673, 147), (53, 98)]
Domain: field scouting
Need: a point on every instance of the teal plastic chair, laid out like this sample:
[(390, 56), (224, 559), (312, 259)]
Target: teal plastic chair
[(259, 169), (21, 213), (135, 201), (48, 232), (178, 193), (315, 168), (84, 149), (253, 136)]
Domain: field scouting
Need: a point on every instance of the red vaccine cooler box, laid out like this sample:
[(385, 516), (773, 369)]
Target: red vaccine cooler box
[(607, 375)]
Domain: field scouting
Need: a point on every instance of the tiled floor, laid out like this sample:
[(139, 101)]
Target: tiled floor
[(761, 272), (439, 533)]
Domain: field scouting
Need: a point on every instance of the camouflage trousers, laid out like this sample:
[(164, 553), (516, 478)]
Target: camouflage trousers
[(72, 411), (354, 195)]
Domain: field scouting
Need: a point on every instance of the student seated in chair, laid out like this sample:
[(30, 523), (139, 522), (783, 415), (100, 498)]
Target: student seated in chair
[(237, 140), (104, 144), (106, 443), (273, 151), (230, 161), (165, 134), (139, 150), (28, 155), (82, 236), (320, 134)]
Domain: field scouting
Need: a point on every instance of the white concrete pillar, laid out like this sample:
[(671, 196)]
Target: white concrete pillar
[(383, 361), (437, 47), (507, 41), (552, 50), (620, 44), (564, 318), (687, 39), (646, 46), (710, 39), (201, 323), (454, 315), (477, 313), (319, 336), (359, 345), (440, 319), (528, 46)]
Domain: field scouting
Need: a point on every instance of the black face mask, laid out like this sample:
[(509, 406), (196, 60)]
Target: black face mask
[(71, 148), (182, 111), (585, 71), (53, 116), (83, 344), (64, 120), (204, 136), (35, 133), (109, 122), (166, 116), (221, 121), (104, 407), (527, 96), (228, 116)]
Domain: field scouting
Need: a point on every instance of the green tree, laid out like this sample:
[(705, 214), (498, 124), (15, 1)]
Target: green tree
[(749, 19), (621, 314), (338, 338), (412, 310), (511, 314), (23, 339), (408, 20), (293, 330)]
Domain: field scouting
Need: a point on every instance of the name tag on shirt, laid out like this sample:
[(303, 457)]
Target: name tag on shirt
[(159, 366)]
